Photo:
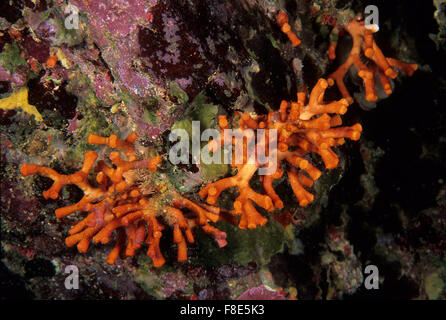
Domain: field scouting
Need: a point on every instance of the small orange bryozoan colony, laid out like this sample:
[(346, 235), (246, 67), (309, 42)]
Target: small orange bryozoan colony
[(301, 129), (374, 63), (120, 203), (282, 21)]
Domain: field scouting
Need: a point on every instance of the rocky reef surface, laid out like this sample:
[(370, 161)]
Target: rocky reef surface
[(69, 69)]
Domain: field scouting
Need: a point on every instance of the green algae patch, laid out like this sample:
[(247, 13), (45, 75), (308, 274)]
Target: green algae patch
[(206, 114), (244, 246), (11, 57), (93, 122), (212, 171), (200, 111), (433, 286), (150, 117), (176, 91), (203, 112)]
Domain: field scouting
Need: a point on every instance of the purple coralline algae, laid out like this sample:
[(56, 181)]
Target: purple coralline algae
[(261, 293)]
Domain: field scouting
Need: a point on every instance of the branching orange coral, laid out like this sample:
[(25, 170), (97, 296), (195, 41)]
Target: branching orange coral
[(120, 203), (282, 21), (139, 213), (301, 129), (374, 63)]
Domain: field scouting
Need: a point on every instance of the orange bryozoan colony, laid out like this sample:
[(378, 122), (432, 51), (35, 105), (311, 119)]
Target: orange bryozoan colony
[(119, 202), (301, 129), (130, 199), (282, 21), (374, 64)]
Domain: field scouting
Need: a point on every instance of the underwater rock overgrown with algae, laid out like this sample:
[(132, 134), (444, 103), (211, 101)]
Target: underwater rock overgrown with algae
[(147, 67)]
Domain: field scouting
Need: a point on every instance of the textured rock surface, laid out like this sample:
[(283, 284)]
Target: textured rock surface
[(148, 66)]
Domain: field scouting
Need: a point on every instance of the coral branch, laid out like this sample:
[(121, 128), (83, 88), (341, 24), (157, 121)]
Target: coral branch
[(301, 129), (243, 205), (368, 60), (119, 204)]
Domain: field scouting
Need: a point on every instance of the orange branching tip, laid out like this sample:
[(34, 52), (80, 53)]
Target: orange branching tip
[(332, 50), (118, 204), (302, 128), (378, 64), (282, 21)]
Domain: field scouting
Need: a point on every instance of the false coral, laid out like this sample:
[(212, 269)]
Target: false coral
[(374, 63), (129, 198), (282, 21), (301, 129), (119, 201)]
